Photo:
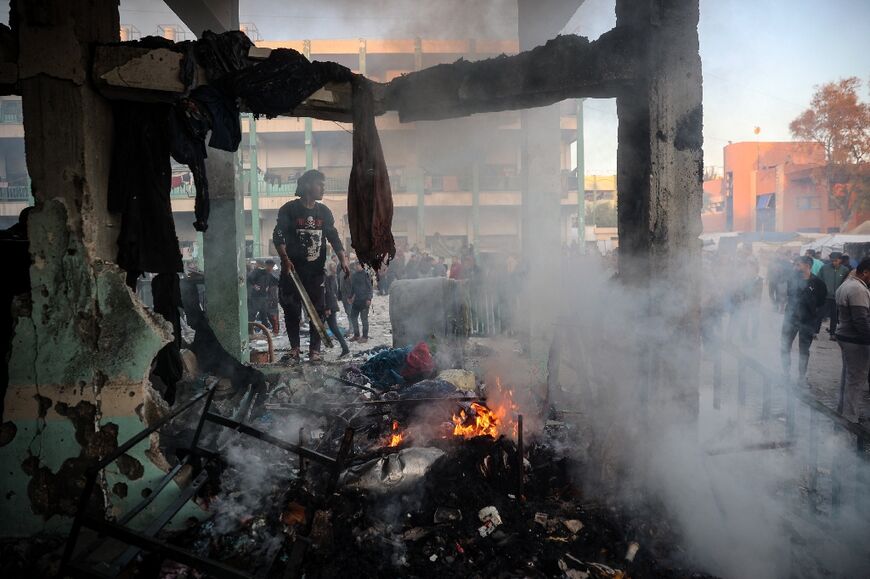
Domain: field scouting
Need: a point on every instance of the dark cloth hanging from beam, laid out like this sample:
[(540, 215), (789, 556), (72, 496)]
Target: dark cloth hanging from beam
[(369, 197)]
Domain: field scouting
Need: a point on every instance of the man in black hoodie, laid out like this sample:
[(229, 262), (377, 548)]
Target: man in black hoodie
[(806, 296), (300, 236)]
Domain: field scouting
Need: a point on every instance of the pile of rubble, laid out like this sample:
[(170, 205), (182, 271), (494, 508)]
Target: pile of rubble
[(441, 478)]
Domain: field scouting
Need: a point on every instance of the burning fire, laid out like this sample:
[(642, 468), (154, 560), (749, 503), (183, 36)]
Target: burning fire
[(484, 420), (481, 422), (396, 436)]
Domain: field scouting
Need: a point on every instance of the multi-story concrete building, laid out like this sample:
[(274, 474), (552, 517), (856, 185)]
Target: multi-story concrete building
[(771, 186), (454, 183)]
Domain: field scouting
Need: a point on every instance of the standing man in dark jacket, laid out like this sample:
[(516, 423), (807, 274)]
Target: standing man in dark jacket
[(361, 298), (833, 274), (853, 336), (300, 236), (805, 297), (331, 286)]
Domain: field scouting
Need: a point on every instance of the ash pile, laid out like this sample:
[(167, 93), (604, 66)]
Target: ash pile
[(436, 473)]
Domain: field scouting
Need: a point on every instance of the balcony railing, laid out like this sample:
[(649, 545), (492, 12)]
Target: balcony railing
[(16, 193), (288, 189), (11, 112), (12, 118)]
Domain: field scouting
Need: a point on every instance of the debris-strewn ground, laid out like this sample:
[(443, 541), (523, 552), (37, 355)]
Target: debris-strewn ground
[(435, 504)]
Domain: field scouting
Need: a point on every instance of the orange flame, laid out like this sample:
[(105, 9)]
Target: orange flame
[(482, 422), (489, 421), (396, 436)]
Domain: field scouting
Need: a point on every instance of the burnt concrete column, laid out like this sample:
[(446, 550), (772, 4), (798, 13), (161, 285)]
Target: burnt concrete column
[(660, 172), (224, 253), (83, 344)]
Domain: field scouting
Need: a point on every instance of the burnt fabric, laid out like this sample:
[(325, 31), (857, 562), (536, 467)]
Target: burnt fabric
[(312, 279), (189, 124), (223, 53), (15, 257), (139, 185), (428, 389), (280, 83), (167, 301), (369, 198)]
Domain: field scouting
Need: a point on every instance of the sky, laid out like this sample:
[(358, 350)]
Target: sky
[(761, 58)]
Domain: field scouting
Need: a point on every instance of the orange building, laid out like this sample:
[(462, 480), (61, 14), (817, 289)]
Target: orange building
[(768, 186)]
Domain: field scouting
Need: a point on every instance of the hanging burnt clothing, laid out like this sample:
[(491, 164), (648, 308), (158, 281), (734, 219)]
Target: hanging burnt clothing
[(189, 124), (369, 198), (139, 186)]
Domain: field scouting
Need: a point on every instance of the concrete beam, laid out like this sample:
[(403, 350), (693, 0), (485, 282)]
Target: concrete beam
[(201, 15), (565, 67)]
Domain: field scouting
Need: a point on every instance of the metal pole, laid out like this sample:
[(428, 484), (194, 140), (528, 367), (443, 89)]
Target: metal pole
[(254, 178), (581, 181)]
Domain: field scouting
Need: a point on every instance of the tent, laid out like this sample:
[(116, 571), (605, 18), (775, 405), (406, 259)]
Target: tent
[(825, 245)]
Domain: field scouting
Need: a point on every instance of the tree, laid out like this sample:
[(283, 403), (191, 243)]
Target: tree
[(841, 122)]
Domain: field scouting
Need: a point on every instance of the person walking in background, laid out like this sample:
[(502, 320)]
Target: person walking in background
[(330, 285), (778, 271), (344, 293), (361, 300), (440, 268), (833, 274), (853, 337), (261, 282), (412, 268), (847, 262), (817, 263), (806, 297)]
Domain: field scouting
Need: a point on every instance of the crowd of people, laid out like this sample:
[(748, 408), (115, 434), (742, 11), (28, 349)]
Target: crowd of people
[(806, 290)]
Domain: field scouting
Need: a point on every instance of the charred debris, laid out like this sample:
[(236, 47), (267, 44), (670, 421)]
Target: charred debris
[(379, 467)]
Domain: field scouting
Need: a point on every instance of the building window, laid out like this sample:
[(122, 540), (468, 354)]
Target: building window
[(808, 203)]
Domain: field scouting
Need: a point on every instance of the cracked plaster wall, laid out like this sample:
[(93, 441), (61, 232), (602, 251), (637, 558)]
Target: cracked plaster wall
[(83, 346)]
